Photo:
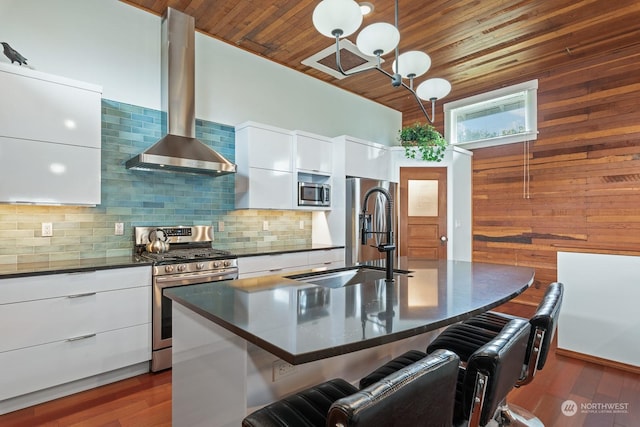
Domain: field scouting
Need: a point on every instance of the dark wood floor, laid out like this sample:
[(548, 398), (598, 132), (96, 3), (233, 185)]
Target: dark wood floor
[(146, 399)]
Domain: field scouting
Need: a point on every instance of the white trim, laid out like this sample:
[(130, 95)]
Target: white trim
[(312, 61), (530, 86)]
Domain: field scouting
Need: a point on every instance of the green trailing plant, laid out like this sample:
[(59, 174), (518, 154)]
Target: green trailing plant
[(423, 142)]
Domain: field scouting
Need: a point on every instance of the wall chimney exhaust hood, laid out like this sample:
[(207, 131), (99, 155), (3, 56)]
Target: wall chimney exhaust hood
[(179, 150)]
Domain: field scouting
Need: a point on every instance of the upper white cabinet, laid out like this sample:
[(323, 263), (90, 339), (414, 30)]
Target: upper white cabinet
[(271, 161), (265, 178), (366, 159), (49, 138), (314, 153)]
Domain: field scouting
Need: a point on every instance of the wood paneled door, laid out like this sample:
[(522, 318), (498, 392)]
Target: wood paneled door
[(423, 212)]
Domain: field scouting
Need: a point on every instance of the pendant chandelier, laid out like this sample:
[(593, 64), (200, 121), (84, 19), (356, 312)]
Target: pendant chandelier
[(341, 18)]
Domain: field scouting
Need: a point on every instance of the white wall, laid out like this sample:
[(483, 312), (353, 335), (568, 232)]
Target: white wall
[(117, 46), (599, 314)]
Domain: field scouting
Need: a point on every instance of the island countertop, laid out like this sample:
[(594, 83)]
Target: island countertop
[(301, 322)]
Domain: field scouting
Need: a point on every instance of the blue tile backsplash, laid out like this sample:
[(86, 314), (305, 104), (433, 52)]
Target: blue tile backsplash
[(144, 198)]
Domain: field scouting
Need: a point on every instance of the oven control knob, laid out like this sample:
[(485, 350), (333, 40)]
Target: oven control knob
[(168, 268), (216, 264), (182, 267), (200, 265), (227, 263)]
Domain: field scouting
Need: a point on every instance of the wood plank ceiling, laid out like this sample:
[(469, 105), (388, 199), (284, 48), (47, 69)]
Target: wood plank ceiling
[(477, 45)]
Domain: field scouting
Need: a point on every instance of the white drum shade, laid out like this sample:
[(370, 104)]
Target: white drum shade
[(412, 62), (433, 88), (332, 15), (380, 36)]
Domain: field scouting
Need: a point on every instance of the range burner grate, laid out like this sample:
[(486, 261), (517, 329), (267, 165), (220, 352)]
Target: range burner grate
[(188, 254)]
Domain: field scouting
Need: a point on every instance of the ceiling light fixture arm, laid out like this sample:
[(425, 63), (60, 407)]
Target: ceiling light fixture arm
[(396, 79)]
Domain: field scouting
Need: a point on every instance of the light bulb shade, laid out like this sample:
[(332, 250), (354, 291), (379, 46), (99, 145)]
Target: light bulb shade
[(433, 88), (330, 16), (412, 62), (379, 37)]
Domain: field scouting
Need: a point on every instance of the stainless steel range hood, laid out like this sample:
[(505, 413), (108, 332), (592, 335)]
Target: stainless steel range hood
[(179, 150)]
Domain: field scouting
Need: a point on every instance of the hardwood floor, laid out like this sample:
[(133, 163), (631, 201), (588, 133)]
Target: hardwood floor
[(145, 400)]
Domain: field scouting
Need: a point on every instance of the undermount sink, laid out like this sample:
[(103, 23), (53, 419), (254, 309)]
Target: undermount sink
[(345, 277)]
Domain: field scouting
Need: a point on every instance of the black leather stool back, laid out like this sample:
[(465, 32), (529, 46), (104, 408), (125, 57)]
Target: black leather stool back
[(491, 371), (421, 394)]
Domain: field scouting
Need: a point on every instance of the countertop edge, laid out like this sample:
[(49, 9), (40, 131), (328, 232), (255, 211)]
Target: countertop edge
[(344, 348), (73, 266), (8, 271)]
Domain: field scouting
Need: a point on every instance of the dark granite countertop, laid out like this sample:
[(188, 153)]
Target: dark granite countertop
[(300, 322), (70, 266), (245, 252), (79, 265)]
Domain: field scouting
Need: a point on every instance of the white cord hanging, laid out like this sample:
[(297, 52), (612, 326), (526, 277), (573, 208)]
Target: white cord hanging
[(526, 179)]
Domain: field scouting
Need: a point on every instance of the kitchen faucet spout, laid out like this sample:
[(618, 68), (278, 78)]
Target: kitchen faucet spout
[(388, 246)]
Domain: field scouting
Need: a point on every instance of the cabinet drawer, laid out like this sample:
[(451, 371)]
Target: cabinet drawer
[(56, 285), (36, 368), (43, 321), (272, 263), (327, 256)]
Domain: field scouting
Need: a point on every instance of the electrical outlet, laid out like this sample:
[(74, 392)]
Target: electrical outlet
[(282, 369), (265, 225), (47, 229), (119, 230), (220, 225), (301, 224)]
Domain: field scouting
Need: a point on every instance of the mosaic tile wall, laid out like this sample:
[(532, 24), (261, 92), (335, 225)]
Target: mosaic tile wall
[(144, 198)]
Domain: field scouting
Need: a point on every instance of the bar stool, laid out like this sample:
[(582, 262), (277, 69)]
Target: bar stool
[(489, 373), (543, 327), (420, 394)]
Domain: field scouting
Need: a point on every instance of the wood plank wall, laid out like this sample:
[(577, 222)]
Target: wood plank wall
[(584, 172)]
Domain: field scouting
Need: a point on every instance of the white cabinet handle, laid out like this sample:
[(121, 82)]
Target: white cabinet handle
[(81, 337), (276, 269), (88, 294), (82, 272)]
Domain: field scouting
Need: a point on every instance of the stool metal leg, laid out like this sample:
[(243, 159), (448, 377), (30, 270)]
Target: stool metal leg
[(514, 415)]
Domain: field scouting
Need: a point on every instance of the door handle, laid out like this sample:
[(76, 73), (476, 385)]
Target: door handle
[(443, 240)]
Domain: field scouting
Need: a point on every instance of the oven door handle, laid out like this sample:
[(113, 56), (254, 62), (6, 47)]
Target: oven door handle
[(189, 279)]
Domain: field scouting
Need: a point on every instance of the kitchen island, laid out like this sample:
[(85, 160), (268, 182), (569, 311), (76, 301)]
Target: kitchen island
[(240, 344)]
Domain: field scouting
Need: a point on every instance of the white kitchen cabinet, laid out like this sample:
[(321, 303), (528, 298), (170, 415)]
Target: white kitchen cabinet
[(265, 178), (61, 328), (326, 259), (366, 159), (264, 265), (49, 138), (56, 173), (314, 153)]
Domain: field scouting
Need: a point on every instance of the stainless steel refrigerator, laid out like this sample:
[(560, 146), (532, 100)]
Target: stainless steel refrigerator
[(355, 191)]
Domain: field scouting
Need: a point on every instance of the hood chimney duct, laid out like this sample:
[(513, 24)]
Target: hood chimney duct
[(179, 150)]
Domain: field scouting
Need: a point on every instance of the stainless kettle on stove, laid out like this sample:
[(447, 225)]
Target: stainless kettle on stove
[(157, 241)]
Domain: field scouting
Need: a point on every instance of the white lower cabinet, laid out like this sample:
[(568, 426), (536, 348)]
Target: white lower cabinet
[(330, 258), (47, 365), (61, 328), (264, 265)]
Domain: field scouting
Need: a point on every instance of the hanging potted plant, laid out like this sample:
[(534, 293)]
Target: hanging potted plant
[(422, 142)]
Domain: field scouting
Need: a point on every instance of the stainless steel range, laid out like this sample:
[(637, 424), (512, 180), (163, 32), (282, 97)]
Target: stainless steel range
[(181, 255)]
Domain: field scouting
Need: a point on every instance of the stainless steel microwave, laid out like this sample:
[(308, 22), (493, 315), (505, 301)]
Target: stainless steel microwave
[(313, 194)]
